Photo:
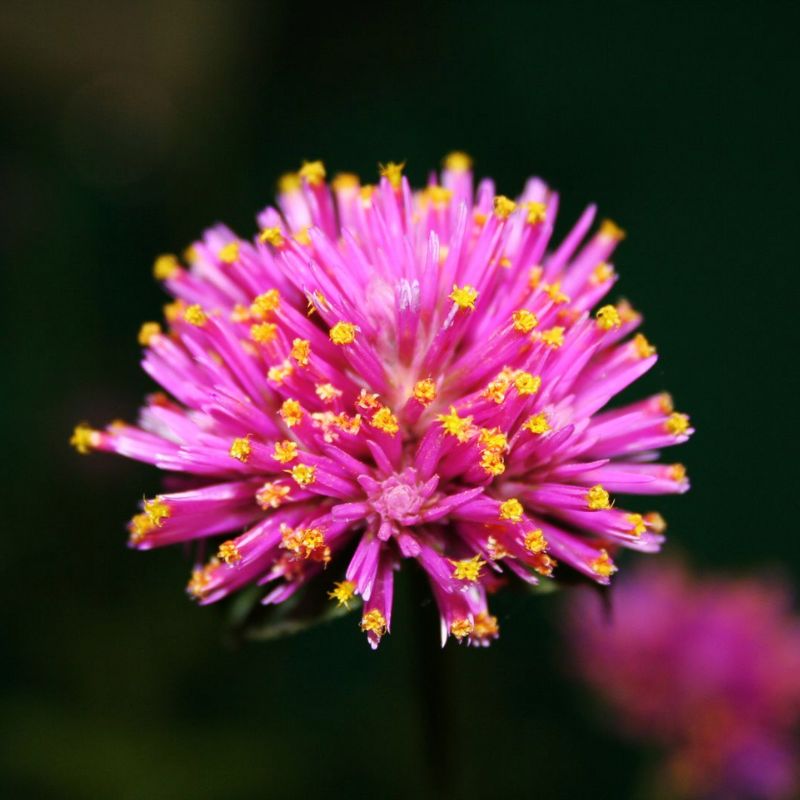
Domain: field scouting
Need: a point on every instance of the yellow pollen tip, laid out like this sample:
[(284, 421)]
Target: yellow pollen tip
[(553, 337), (327, 392), (535, 542), (345, 181), (272, 495), (535, 276), (454, 425), (165, 267), (229, 253), (553, 291), (608, 318), (464, 297), (537, 212), (677, 424), (147, 332), (241, 448), (537, 424), (303, 474), (84, 438), (492, 463), (138, 527), (601, 273), (677, 473), (597, 498), (511, 510), (524, 321), (342, 592), (637, 523), (289, 182), (292, 412), (393, 172), (266, 303), (467, 569), (280, 372), (457, 162), (264, 332), (438, 195), (195, 315), (313, 172), (503, 207), (229, 553), (343, 333), (655, 522), (461, 628), (284, 451), (642, 347), (610, 230), (425, 391), (373, 621), (301, 351), (272, 236), (384, 420), (526, 383), (603, 565), (157, 511), (485, 626)]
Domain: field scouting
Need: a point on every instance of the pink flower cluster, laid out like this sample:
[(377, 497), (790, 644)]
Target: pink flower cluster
[(384, 374), (709, 670)]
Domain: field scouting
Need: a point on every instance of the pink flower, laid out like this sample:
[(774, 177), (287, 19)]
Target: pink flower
[(708, 670), (383, 375)]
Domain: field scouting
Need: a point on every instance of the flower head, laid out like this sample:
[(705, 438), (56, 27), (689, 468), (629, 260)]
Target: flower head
[(382, 375), (709, 670)]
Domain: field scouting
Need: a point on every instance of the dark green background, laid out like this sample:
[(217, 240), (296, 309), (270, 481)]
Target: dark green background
[(130, 126)]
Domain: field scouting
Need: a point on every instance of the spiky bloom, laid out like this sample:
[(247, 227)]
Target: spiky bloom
[(383, 375), (707, 669)]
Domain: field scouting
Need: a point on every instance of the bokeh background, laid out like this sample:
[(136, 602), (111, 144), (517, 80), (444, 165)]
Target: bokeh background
[(128, 127)]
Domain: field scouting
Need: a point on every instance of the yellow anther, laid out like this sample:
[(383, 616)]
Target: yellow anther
[(139, 526), (284, 451), (504, 262), (524, 321), (313, 172), (597, 498), (195, 315), (264, 332), (157, 510), (438, 195), (553, 290), (272, 236), (601, 273), (537, 212), (537, 424), (457, 162), (665, 403), (229, 553), (480, 219), (147, 332), (425, 391), (485, 626), (302, 236), (496, 390), (511, 510), (492, 463), (655, 522), (677, 424), (535, 276), (453, 425), (301, 351), (384, 420), (467, 569), (525, 383), (496, 549), (553, 337), (342, 592), (280, 372), (201, 578), (637, 523), (272, 495), (627, 313), (348, 424), (374, 622), (266, 303), (603, 565), (503, 207), (240, 313), (365, 193), (543, 564), (241, 449), (345, 181), (229, 253), (608, 318), (394, 172), (464, 297), (165, 267), (327, 392), (642, 347), (610, 230), (461, 628), (303, 474), (289, 182), (343, 333), (677, 473), (292, 412), (306, 543), (368, 400), (492, 439), (535, 542), (191, 253)]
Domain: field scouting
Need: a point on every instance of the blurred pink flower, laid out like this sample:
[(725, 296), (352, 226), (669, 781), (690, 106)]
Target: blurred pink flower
[(707, 669), (384, 374)]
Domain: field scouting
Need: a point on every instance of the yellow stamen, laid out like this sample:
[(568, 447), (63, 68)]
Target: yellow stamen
[(511, 510), (327, 392), (642, 347), (272, 236), (304, 474), (438, 195), (492, 439), (342, 592), (229, 553), (637, 521), (496, 390), (191, 254), (343, 333), (525, 383), (373, 621), (195, 315), (201, 578), (301, 351), (302, 236), (384, 420), (165, 267), (677, 473), (84, 438), (603, 565), (366, 400), (345, 181), (264, 332), (280, 372), (229, 253), (492, 463), (454, 425), (610, 230), (665, 403), (553, 290), (284, 451), (313, 172), (157, 510), (461, 628), (464, 297), (677, 424), (425, 391), (503, 207), (535, 542), (496, 549), (537, 212), (597, 498), (601, 273), (174, 310), (553, 337), (272, 495), (289, 182), (524, 321), (457, 162), (139, 526), (537, 424), (266, 303), (241, 448), (543, 564), (394, 173), (147, 332), (467, 569), (608, 318), (485, 626), (535, 276), (292, 412), (655, 522)]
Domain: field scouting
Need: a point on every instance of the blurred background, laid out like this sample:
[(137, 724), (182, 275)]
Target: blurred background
[(129, 127)]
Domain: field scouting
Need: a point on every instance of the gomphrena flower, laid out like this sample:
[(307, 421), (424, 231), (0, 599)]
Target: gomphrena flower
[(383, 375), (708, 669)]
